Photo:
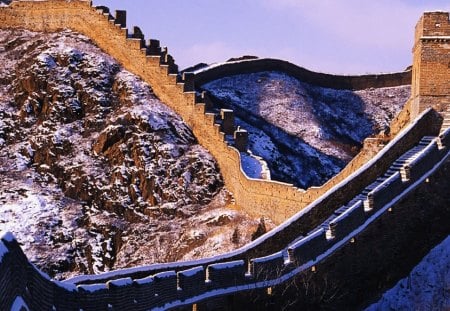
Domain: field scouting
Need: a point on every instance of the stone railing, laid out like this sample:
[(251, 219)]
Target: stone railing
[(304, 239), (22, 283), (214, 130), (305, 220)]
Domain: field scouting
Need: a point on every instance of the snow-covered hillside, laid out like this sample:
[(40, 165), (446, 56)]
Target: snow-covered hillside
[(306, 133), (426, 288), (95, 172), (4, 3)]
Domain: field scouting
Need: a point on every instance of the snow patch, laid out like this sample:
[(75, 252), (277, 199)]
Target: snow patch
[(425, 288), (251, 166), (227, 265), (67, 286), (268, 257), (3, 251), (19, 305), (93, 287), (7, 236), (121, 282), (191, 272), (144, 281), (47, 60)]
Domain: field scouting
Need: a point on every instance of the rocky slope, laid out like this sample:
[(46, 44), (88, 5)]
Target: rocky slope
[(95, 172), (427, 287), (4, 2), (305, 133)]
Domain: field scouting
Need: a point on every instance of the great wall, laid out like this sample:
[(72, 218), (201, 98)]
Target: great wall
[(314, 223)]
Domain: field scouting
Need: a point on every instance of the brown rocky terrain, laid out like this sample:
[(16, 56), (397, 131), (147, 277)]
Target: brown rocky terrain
[(96, 173)]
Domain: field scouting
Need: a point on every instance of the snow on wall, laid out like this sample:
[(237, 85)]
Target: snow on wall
[(220, 70), (3, 251), (19, 305), (164, 288), (385, 191), (157, 67), (269, 267), (305, 219), (165, 87), (344, 223), (423, 162), (445, 137)]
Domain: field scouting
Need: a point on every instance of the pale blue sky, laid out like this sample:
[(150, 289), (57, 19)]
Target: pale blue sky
[(334, 36)]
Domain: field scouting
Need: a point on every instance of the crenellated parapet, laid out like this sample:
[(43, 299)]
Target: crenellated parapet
[(213, 128), (179, 285), (322, 219)]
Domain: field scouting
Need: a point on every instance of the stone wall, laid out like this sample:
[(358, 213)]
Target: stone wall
[(257, 197), (358, 273), (275, 200), (306, 220), (431, 67), (215, 72), (19, 278)]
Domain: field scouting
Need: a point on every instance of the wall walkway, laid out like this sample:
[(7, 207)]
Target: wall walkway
[(322, 219), (21, 282), (152, 63)]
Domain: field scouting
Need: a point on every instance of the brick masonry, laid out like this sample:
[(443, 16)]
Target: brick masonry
[(431, 67), (276, 200)]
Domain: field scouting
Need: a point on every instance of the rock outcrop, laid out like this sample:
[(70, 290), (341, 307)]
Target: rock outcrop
[(104, 173)]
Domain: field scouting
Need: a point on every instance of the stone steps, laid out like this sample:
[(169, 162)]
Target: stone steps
[(405, 158)]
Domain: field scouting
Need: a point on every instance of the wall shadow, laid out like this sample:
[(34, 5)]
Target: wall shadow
[(340, 115)]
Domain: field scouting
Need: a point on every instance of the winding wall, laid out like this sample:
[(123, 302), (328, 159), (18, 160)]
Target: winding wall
[(22, 283), (303, 221), (275, 200), (218, 71), (306, 238)]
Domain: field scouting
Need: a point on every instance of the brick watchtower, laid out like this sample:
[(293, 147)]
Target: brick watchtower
[(431, 64)]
